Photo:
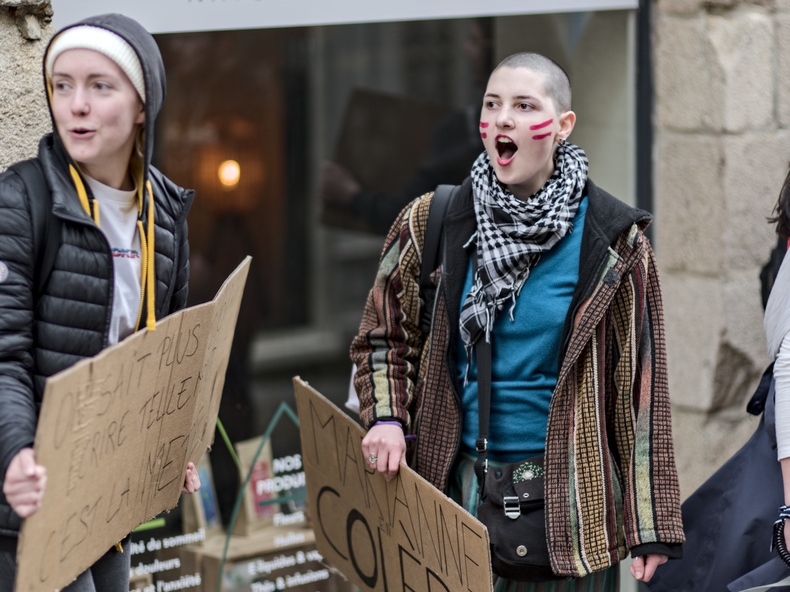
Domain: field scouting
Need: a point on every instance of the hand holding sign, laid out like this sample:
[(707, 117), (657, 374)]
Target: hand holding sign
[(401, 534), (24, 483), (117, 434)]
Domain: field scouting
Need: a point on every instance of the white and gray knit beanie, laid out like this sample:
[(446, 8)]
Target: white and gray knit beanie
[(105, 42)]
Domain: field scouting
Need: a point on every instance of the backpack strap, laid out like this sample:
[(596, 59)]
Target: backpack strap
[(46, 226), (434, 231)]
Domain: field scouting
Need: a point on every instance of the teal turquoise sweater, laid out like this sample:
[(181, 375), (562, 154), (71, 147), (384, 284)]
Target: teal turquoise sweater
[(525, 355)]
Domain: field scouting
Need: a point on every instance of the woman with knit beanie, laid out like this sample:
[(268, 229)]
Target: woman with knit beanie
[(121, 262)]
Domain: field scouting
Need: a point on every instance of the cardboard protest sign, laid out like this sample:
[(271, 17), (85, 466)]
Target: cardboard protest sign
[(399, 535), (115, 434)]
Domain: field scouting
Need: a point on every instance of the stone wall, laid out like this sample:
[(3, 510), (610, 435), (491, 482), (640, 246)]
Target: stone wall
[(24, 30), (722, 144)]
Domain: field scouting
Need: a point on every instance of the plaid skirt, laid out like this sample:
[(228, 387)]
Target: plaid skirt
[(463, 490)]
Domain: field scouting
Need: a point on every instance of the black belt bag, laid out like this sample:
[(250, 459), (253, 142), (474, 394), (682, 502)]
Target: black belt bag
[(512, 500), (512, 508)]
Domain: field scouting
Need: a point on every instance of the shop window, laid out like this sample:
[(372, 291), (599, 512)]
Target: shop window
[(253, 117)]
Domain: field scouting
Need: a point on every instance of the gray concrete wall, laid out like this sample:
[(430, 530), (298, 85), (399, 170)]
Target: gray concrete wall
[(722, 144), (24, 30)]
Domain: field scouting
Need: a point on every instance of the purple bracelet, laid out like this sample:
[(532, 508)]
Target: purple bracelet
[(389, 422), (397, 423)]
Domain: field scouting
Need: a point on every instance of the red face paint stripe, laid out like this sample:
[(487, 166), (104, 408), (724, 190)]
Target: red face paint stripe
[(483, 135), (537, 126), (541, 136), (483, 124)]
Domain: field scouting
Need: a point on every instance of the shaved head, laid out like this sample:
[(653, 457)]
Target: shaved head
[(556, 81)]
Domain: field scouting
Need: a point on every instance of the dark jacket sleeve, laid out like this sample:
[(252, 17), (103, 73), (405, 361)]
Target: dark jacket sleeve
[(181, 290), (17, 266), (173, 205)]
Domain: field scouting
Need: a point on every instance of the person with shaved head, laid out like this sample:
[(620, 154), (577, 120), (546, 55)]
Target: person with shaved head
[(556, 278)]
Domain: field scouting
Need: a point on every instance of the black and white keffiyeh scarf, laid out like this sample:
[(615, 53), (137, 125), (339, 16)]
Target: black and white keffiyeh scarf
[(512, 233)]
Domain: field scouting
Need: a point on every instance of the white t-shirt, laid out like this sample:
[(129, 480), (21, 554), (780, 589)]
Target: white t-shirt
[(777, 335), (782, 377), (118, 221)]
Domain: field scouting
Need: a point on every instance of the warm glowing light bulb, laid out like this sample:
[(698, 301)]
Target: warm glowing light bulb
[(229, 173)]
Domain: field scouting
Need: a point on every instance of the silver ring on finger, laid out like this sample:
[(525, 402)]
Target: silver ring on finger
[(373, 459)]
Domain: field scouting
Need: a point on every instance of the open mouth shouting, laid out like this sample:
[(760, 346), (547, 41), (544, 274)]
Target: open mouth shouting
[(506, 150)]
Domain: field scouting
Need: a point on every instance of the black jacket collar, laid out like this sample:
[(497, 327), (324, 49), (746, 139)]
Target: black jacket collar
[(607, 218)]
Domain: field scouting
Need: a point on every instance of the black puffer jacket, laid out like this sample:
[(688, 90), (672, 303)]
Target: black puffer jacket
[(71, 319)]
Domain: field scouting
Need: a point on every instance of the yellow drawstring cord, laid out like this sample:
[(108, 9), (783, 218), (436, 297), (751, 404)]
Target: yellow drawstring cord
[(83, 195), (149, 268), (143, 275), (147, 284)]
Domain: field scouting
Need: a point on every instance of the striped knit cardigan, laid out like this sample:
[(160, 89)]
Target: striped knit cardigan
[(611, 482)]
